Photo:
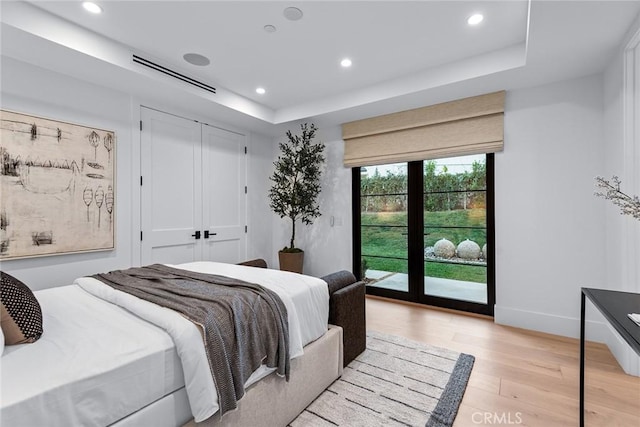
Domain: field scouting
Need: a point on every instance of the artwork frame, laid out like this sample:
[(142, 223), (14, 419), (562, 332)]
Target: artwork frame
[(57, 187)]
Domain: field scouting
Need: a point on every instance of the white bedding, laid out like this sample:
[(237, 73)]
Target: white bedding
[(94, 364), (306, 299)]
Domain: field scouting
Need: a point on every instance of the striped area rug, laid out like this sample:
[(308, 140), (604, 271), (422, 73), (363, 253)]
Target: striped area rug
[(395, 382)]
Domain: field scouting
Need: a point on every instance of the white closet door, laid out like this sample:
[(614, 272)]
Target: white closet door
[(224, 200), (171, 191)]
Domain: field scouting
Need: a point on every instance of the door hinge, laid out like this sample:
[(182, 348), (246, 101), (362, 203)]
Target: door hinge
[(245, 228), (245, 189), (141, 236), (140, 179), (140, 125), (245, 150)]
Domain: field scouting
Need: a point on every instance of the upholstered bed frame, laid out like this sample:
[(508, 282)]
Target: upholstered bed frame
[(275, 402), (272, 401)]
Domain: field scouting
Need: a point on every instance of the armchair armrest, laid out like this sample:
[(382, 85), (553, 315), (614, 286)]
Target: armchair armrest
[(347, 310), (258, 262), (339, 280)]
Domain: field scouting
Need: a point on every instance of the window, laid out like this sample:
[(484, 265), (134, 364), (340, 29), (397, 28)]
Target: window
[(423, 231)]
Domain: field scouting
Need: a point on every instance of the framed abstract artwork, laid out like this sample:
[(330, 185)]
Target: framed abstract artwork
[(57, 187)]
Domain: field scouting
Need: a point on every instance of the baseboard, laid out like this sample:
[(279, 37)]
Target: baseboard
[(550, 324), (597, 331), (626, 357)]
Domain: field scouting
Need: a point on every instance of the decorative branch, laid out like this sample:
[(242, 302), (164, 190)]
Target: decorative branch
[(611, 191)]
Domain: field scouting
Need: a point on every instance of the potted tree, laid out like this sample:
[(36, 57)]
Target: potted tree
[(295, 188)]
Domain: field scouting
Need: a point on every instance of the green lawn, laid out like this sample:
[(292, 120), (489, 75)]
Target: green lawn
[(382, 240)]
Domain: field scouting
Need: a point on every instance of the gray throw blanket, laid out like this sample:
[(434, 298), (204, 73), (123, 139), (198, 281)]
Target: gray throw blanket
[(244, 324)]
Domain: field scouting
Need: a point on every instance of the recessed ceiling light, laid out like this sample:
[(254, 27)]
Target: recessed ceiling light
[(346, 63), (261, 91), (196, 59), (91, 7), (475, 19), (270, 28), (292, 13)]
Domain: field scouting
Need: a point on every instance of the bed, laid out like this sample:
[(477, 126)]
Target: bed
[(103, 361)]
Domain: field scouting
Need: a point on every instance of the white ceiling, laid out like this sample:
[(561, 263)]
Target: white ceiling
[(299, 62), (404, 53)]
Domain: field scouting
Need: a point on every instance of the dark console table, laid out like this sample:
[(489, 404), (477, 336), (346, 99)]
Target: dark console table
[(615, 306)]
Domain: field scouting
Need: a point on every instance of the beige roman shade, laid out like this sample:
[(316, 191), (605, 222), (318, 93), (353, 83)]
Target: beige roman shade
[(467, 126)]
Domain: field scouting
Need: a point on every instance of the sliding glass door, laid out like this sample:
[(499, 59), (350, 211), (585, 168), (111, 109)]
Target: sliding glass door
[(455, 228), (423, 231), (384, 227)]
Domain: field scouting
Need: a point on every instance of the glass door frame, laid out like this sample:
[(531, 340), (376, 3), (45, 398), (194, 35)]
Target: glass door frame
[(415, 222)]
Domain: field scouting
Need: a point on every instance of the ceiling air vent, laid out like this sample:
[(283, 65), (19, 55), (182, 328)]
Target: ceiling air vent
[(139, 60)]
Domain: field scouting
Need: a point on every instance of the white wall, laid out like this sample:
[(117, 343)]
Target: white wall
[(622, 158), (613, 165), (30, 89), (260, 218), (549, 226), (327, 243), (33, 90)]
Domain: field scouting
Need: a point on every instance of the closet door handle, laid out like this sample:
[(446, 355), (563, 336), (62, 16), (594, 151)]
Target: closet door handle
[(207, 234), (196, 235)]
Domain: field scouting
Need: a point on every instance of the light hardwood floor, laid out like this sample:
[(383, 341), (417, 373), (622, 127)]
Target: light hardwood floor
[(520, 377)]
